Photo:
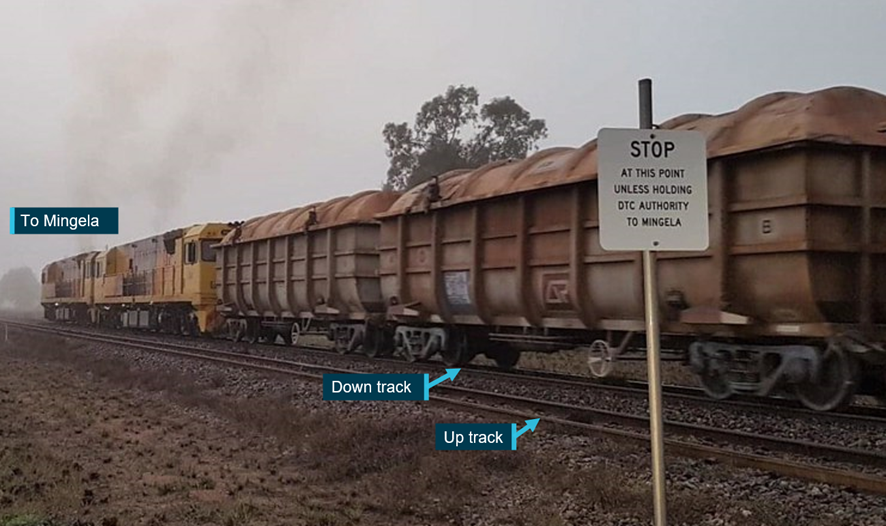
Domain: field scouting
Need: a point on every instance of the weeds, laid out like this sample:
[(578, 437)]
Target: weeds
[(168, 489), (242, 514), (26, 520)]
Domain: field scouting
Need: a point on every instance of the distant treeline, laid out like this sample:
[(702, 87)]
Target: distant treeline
[(20, 290)]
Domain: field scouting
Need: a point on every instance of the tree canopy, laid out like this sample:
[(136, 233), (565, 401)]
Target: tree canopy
[(451, 133), (20, 289)]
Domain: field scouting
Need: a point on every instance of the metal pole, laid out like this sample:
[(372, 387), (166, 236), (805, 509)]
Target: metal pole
[(653, 356)]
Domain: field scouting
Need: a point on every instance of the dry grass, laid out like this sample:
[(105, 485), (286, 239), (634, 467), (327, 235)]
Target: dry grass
[(28, 520), (363, 469), (36, 481)]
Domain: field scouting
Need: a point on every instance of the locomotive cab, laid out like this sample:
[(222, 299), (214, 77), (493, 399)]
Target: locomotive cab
[(198, 269)]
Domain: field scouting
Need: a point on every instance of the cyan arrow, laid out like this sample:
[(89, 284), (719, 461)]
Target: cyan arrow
[(450, 375), (530, 426)]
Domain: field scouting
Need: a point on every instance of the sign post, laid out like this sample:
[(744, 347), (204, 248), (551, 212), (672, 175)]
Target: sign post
[(652, 190), (653, 359)]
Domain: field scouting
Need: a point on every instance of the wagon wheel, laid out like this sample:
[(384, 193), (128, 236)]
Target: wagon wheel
[(715, 383), (184, 326), (836, 383), (177, 326), (372, 347), (506, 358), (342, 345), (292, 337), (377, 343), (457, 353), (601, 359), (878, 389), (253, 332), (235, 331), (195, 327), (269, 336), (402, 349)]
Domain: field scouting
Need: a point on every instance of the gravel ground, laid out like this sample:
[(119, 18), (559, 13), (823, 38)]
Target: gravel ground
[(607, 483), (806, 427)]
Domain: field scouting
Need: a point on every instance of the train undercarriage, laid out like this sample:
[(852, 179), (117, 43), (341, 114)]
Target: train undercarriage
[(823, 376), (455, 345), (171, 318), (71, 313)]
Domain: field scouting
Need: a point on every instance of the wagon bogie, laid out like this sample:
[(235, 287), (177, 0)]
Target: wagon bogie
[(379, 340), (823, 376), (347, 337)]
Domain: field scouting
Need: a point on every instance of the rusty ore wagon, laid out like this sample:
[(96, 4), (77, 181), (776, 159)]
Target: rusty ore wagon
[(791, 292), (307, 270)]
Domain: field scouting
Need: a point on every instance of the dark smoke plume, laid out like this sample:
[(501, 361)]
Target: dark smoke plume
[(167, 95)]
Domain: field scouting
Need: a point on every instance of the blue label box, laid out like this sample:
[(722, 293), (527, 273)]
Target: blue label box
[(64, 220), (476, 437), (375, 387)]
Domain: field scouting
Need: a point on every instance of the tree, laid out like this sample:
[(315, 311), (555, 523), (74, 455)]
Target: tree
[(20, 289), (449, 133)]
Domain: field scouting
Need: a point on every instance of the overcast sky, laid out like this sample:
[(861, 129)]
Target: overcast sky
[(185, 112)]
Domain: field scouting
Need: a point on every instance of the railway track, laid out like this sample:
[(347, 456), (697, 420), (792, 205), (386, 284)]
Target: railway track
[(784, 406), (689, 440), (695, 395), (855, 414)]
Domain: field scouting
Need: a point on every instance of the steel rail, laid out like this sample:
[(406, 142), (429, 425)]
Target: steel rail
[(854, 414)]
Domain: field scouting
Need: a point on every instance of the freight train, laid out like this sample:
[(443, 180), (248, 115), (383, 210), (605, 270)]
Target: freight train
[(788, 298)]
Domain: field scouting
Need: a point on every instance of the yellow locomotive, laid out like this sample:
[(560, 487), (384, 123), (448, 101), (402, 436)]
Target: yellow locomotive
[(164, 282), (67, 289)]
